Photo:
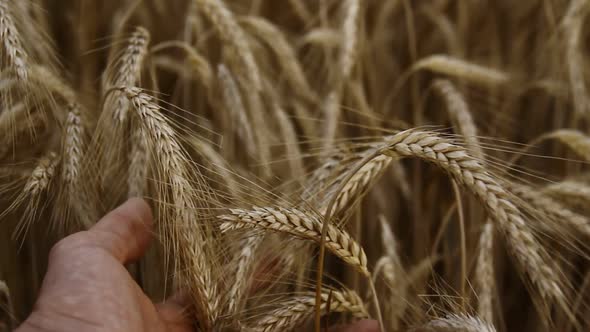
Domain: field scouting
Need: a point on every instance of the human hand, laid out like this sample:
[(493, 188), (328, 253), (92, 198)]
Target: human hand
[(87, 287)]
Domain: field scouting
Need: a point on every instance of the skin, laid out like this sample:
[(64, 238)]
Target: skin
[(87, 287)]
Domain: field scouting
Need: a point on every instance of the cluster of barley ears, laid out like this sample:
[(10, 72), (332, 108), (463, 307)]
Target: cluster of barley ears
[(309, 163)]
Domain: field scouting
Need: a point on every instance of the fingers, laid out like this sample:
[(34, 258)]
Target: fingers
[(174, 313), (365, 325), (126, 231)]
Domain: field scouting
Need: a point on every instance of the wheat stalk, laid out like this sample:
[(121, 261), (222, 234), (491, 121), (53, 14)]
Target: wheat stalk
[(195, 266), (460, 115), (38, 183), (394, 275), (138, 164), (277, 42), (219, 165), (263, 135), (234, 37), (350, 24), (11, 41), (331, 108), (129, 72), (325, 177), (232, 100), (300, 8), (459, 68), (158, 128), (560, 216), (327, 37), (73, 153), (198, 64), (468, 171), (484, 273), (296, 310), (574, 139), (358, 183), (570, 192), (244, 265), (300, 224), (133, 57), (42, 175), (292, 148), (73, 146), (573, 23), (389, 242), (459, 323)]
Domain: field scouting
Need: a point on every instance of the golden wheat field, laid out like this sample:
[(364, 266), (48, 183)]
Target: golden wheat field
[(308, 162)]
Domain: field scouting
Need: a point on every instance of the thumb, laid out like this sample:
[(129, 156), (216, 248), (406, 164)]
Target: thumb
[(124, 233)]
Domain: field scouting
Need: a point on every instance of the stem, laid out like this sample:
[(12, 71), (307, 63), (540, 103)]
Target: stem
[(327, 217), (376, 303), (445, 223), (463, 240)]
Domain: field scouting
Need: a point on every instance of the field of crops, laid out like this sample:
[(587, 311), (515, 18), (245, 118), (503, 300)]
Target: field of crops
[(423, 164)]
